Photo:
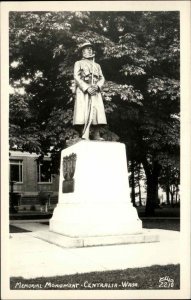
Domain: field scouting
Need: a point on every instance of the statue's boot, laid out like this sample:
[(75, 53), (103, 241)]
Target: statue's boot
[(96, 134)]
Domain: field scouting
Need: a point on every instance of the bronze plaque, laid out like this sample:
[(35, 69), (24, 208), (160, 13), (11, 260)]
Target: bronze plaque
[(69, 165)]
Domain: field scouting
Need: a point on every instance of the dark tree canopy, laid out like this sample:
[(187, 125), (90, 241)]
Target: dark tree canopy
[(139, 56)]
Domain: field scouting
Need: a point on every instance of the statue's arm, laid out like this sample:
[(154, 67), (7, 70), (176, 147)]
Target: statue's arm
[(101, 80), (80, 83)]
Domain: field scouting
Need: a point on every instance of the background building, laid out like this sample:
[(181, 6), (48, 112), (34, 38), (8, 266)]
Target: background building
[(30, 182)]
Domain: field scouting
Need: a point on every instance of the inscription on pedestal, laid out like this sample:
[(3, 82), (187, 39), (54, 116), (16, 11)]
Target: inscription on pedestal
[(69, 165)]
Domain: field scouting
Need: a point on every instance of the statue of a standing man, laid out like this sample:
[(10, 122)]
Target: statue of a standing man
[(89, 108)]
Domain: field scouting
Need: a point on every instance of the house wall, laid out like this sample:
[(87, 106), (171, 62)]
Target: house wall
[(30, 187)]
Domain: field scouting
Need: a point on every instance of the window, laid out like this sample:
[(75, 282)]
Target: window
[(16, 170), (43, 171)]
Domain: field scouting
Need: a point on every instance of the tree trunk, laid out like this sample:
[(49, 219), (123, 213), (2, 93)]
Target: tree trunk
[(172, 202), (133, 183), (176, 195), (152, 188), (172, 191), (140, 203), (168, 188), (167, 194)]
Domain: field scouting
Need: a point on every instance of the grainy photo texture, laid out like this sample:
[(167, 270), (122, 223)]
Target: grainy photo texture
[(94, 150)]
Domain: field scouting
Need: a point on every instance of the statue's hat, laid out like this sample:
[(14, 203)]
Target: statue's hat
[(84, 45)]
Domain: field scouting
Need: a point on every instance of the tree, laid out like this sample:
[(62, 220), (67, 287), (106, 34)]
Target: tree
[(139, 55), (155, 125), (136, 178), (170, 179)]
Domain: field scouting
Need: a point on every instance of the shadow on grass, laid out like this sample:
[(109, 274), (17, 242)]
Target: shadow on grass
[(15, 229)]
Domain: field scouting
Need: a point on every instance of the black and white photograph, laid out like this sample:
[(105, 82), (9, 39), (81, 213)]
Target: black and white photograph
[(95, 150)]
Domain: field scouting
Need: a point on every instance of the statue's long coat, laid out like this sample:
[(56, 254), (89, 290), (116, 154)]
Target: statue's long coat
[(83, 77)]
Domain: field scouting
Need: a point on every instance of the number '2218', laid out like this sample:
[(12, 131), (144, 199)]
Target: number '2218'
[(166, 284)]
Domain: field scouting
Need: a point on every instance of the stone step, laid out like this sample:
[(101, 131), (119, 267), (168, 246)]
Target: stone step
[(73, 242)]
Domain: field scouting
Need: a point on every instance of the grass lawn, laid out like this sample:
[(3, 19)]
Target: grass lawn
[(129, 279), (163, 211), (162, 224), (15, 229)]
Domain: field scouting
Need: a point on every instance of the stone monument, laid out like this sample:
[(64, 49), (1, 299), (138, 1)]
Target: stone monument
[(94, 196), (94, 205)]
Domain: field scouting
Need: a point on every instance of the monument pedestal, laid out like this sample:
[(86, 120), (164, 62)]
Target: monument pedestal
[(94, 198)]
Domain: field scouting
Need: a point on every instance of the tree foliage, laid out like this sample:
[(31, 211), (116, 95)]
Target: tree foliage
[(139, 56)]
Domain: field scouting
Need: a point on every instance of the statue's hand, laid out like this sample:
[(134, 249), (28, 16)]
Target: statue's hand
[(92, 90), (96, 87)]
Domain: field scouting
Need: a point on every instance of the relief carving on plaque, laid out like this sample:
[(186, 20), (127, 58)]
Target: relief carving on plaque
[(69, 165)]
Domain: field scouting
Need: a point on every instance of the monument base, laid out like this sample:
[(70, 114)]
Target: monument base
[(94, 206), (78, 220), (68, 242)]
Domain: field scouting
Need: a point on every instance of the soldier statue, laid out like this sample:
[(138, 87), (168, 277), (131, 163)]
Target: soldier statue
[(88, 108)]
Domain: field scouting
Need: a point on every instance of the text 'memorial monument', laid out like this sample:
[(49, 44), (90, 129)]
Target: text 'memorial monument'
[(94, 205)]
